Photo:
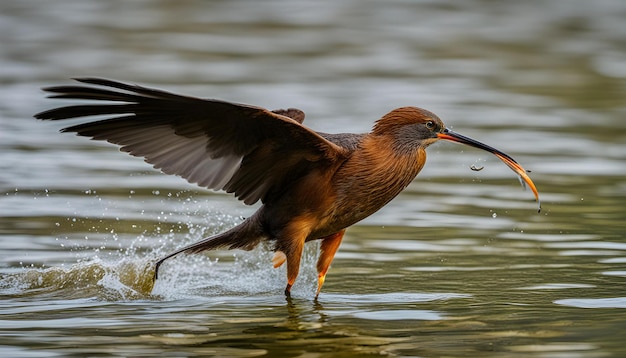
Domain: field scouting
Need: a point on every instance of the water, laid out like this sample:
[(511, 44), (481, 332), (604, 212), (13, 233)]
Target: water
[(460, 264)]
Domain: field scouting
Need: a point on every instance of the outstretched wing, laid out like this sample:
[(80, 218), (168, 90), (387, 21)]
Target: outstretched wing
[(246, 150)]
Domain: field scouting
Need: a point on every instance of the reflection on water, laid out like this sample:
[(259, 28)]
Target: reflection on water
[(460, 264)]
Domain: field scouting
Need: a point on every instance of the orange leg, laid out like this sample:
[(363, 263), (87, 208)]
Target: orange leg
[(328, 248), (292, 253)]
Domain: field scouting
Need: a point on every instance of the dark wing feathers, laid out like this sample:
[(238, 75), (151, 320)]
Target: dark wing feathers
[(241, 149)]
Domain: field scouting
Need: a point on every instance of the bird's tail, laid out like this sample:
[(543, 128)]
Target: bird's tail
[(246, 236)]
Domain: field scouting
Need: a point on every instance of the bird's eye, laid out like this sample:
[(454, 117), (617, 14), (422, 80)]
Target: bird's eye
[(430, 125)]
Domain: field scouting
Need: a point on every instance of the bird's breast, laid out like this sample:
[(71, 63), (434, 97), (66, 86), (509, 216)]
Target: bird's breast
[(369, 180), (326, 202)]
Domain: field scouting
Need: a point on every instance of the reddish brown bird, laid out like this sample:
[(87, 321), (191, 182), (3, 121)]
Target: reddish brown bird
[(312, 185)]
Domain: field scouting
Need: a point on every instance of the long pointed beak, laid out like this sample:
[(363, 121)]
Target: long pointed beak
[(510, 162)]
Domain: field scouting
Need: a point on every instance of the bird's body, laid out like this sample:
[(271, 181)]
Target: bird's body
[(312, 185)]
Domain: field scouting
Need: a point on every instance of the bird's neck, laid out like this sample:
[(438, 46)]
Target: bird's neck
[(383, 168), (374, 175)]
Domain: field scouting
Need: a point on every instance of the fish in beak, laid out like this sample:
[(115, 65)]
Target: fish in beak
[(510, 162)]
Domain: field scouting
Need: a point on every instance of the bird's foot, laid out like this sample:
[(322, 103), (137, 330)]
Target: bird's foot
[(288, 290), (320, 283)]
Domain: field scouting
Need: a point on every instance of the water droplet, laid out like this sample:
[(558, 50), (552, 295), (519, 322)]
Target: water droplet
[(494, 215)]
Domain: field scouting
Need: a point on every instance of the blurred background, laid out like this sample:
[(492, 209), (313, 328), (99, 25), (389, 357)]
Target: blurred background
[(460, 264)]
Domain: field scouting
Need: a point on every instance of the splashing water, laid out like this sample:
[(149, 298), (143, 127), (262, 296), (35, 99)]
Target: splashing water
[(129, 275), (94, 278), (246, 273)]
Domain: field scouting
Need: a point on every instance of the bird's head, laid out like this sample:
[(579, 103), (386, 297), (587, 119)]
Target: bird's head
[(409, 128), (412, 128)]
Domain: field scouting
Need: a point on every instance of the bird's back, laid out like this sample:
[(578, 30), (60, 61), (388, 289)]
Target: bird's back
[(349, 141)]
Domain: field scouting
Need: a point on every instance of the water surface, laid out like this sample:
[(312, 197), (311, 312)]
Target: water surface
[(460, 264)]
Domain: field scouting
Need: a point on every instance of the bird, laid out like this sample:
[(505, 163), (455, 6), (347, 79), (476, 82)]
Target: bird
[(311, 185)]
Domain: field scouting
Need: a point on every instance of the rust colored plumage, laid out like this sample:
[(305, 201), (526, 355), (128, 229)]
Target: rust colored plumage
[(312, 185)]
